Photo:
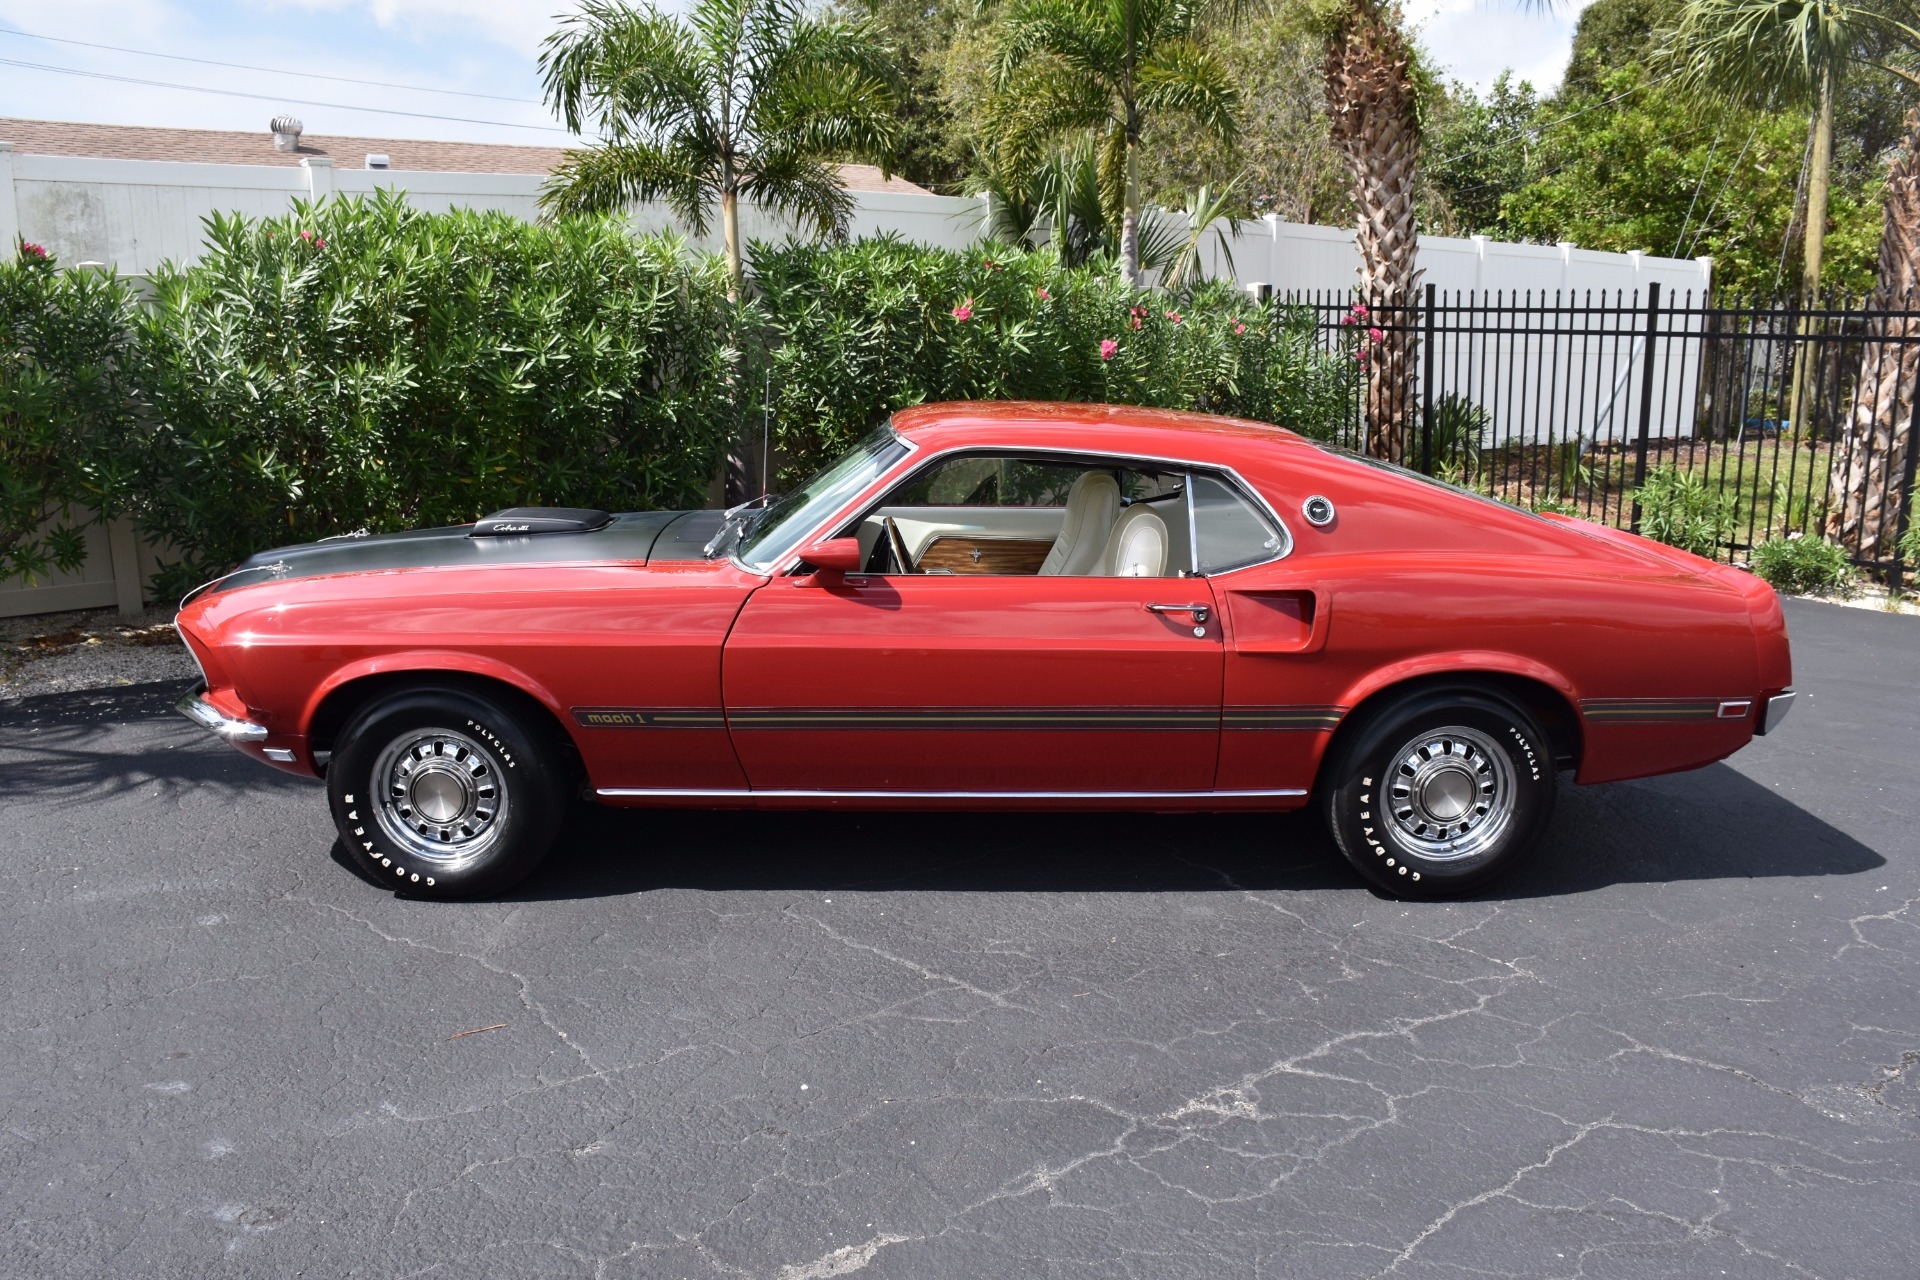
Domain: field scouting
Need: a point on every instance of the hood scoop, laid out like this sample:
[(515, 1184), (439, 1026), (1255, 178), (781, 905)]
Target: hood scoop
[(516, 521)]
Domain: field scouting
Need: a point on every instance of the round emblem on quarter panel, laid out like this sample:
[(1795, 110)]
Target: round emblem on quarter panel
[(1318, 511)]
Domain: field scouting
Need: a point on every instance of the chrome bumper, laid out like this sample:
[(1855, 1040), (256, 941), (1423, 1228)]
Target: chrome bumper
[(1774, 711), (211, 718)]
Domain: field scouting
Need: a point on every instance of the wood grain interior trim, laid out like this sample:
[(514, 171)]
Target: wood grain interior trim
[(984, 555)]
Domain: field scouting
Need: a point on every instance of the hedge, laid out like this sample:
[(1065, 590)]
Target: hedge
[(360, 363)]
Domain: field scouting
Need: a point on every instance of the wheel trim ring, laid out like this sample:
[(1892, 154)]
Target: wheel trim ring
[(440, 764), (1449, 793)]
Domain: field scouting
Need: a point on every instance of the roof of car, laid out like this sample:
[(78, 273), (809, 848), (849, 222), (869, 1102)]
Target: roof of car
[(939, 423)]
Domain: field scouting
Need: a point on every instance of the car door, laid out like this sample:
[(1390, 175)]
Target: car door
[(959, 684), (997, 644)]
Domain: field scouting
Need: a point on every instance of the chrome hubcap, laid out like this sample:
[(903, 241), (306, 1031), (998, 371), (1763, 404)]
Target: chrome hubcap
[(441, 796), (1450, 793)]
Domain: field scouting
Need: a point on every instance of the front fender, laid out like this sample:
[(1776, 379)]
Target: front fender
[(424, 660)]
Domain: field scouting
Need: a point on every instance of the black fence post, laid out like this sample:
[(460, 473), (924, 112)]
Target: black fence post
[(1426, 393), (1903, 512), (1646, 397)]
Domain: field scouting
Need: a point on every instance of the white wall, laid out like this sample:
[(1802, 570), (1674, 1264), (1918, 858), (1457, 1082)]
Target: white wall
[(1583, 386)]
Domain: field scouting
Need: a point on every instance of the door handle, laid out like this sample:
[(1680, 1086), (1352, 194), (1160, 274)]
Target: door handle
[(1199, 612)]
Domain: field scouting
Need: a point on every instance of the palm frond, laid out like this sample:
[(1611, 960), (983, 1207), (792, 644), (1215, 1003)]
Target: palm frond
[(802, 187), (610, 176), (1182, 77)]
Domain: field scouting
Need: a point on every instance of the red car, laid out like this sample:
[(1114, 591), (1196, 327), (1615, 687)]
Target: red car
[(1046, 606)]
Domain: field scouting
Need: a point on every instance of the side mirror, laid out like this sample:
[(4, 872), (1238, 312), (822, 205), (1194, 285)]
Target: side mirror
[(833, 558)]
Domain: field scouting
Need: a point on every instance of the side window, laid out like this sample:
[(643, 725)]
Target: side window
[(989, 482), (1228, 531), (1009, 515)]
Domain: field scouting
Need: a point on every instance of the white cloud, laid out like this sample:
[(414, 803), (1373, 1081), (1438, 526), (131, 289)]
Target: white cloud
[(1475, 40)]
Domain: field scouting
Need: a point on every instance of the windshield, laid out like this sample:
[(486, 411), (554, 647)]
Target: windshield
[(787, 521)]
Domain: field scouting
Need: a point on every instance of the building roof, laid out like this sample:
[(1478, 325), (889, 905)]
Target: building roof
[(220, 146)]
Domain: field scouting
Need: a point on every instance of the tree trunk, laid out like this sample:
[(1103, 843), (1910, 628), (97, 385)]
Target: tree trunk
[(737, 467), (1819, 181), (730, 224), (1129, 219), (1863, 484), (1864, 498), (1370, 106)]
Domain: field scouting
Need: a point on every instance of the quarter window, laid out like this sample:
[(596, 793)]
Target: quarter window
[(1228, 531)]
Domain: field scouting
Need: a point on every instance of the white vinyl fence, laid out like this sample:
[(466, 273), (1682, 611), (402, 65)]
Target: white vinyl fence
[(132, 215)]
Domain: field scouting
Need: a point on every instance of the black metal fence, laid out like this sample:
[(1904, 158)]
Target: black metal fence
[(1765, 420)]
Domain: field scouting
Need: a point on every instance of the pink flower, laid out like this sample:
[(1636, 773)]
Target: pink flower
[(307, 236), (991, 265), (319, 243), (1108, 346), (964, 311), (1174, 316), (1348, 319), (1360, 354), (1042, 294), (1359, 311), (1239, 328), (1375, 336), (1135, 315), (28, 249)]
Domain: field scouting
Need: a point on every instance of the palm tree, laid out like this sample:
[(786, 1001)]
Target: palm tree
[(746, 98), (1106, 67), (1801, 52), (1784, 53), (1867, 474), (1372, 117)]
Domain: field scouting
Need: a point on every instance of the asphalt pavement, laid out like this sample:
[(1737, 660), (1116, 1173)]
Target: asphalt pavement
[(1684, 1041)]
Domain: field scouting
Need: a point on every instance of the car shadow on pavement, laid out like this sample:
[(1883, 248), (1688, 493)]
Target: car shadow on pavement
[(60, 749), (1713, 823)]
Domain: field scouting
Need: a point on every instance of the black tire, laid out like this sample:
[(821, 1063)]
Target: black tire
[(446, 793), (1439, 792)]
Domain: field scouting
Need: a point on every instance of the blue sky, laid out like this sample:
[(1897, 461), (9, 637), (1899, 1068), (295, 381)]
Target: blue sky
[(476, 46)]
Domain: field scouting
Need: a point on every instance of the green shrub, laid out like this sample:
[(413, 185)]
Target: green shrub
[(361, 364), (1796, 565), (64, 398), (1681, 509), (1460, 428), (1910, 544), (857, 331)]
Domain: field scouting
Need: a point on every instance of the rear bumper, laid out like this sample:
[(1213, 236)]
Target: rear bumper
[(1773, 710), (195, 707)]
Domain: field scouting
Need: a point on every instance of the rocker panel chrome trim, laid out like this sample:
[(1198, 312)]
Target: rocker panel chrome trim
[(668, 793)]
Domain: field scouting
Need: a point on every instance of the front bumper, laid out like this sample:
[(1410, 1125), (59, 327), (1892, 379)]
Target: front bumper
[(1773, 710), (195, 707)]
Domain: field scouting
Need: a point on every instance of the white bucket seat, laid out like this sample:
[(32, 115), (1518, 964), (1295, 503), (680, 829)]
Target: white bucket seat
[(1092, 505), (1137, 547)]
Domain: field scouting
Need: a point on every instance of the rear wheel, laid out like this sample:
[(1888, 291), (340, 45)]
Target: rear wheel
[(446, 793), (1440, 792)]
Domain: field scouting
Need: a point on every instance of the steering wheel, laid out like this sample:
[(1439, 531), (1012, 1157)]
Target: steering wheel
[(899, 546)]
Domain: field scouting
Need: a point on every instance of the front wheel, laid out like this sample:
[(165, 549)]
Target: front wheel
[(445, 793), (1440, 792)]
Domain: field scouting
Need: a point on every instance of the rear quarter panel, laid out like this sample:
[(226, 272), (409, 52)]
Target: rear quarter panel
[(1418, 581)]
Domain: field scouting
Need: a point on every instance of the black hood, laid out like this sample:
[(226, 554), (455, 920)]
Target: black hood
[(635, 538)]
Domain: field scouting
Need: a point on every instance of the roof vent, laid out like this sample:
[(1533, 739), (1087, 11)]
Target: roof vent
[(378, 160), (286, 133)]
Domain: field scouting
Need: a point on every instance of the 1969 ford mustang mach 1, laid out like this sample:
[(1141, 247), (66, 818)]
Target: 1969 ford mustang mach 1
[(994, 605)]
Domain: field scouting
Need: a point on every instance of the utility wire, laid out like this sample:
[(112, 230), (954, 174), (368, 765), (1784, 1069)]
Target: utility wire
[(269, 97), (275, 71), (1542, 127)]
